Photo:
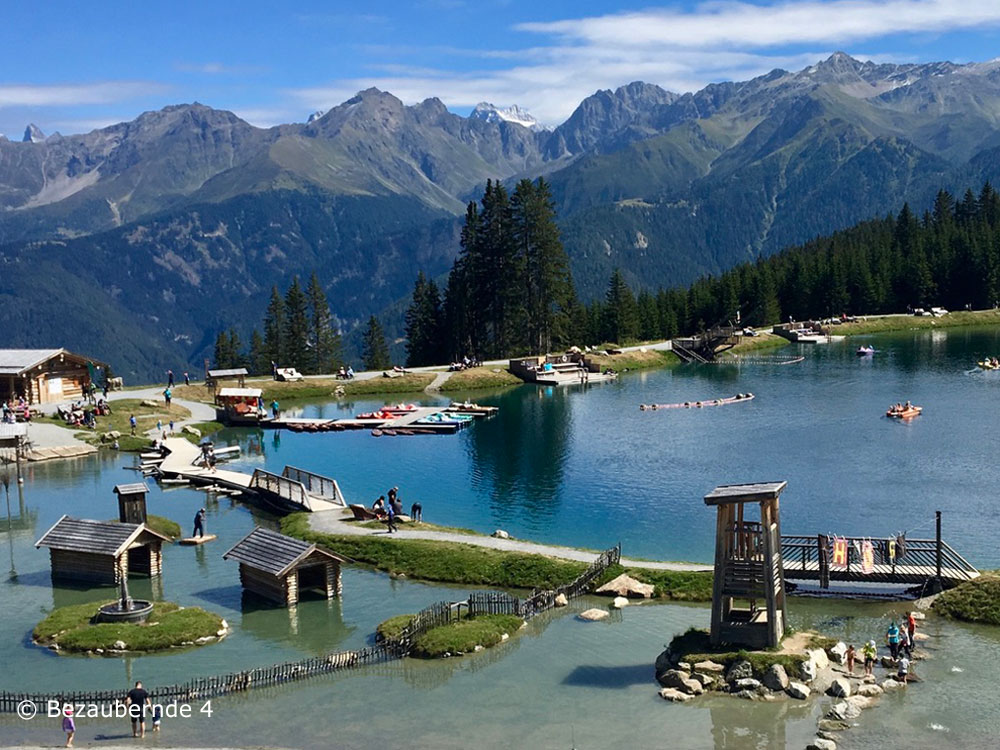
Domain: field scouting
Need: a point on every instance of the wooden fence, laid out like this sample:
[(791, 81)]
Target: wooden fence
[(441, 613)]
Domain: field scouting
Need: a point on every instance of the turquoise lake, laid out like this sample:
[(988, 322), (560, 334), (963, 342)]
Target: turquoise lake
[(577, 466)]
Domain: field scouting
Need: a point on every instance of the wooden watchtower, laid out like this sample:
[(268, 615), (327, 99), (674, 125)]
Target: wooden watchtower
[(748, 594)]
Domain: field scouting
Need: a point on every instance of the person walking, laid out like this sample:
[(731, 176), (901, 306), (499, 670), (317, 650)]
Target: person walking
[(417, 512), (892, 638), (132, 423), (390, 520), (187, 380), (136, 702), (275, 408), (167, 394), (199, 524), (170, 378), (68, 725), (869, 652)]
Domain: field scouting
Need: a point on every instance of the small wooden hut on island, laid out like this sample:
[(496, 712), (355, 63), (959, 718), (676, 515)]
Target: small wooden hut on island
[(280, 568), (132, 502), (748, 567), (102, 552)]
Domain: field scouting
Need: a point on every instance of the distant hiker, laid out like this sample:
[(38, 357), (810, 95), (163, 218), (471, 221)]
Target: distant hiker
[(170, 378), (275, 408), (167, 393), (417, 512), (187, 380), (199, 523), (132, 423)]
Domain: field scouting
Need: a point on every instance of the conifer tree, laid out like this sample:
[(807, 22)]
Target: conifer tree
[(375, 351), (324, 340), (424, 325), (621, 322), (274, 330), (259, 361), (296, 341)]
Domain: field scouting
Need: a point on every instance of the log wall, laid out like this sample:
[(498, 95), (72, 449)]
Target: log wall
[(86, 566), (281, 590)]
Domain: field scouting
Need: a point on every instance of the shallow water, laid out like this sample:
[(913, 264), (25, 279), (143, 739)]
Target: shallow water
[(572, 466)]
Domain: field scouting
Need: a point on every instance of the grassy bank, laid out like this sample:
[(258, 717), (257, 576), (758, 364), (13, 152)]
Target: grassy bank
[(454, 562), (411, 382), (694, 646), (205, 428), (911, 322), (973, 601), (146, 418), (755, 344), (163, 525), (480, 377), (635, 360), (169, 626), (462, 636)]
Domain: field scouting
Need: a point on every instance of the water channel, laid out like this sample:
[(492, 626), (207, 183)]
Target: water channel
[(573, 466)]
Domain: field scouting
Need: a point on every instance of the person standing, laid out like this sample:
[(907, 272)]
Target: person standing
[(869, 652), (187, 380), (851, 653), (275, 408), (903, 670), (417, 512), (136, 702), (170, 378), (167, 393), (199, 524), (132, 423), (390, 520), (911, 627), (892, 638), (68, 724)]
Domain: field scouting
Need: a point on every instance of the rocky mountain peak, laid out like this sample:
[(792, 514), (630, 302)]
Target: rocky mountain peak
[(515, 114), (33, 134)]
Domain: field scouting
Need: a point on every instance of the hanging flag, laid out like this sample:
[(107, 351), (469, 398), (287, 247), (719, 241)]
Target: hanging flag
[(839, 553), (892, 550), (867, 557)]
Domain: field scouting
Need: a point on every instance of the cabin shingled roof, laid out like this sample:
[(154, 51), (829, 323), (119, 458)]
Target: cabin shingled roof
[(16, 361), (96, 537), (740, 493), (274, 553), (131, 489), (228, 373)]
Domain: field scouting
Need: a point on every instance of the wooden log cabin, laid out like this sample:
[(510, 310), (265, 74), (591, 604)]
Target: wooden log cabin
[(46, 376), (102, 552), (280, 568)]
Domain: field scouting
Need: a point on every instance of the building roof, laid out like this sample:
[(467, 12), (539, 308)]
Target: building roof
[(241, 392), (96, 537), (274, 553), (230, 373), (131, 489), (13, 431), (743, 493), (16, 361)]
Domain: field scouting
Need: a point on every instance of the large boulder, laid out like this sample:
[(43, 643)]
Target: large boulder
[(839, 688), (594, 614), (821, 744), (808, 671), (833, 725), (626, 585), (890, 684), (693, 687), (747, 683), (620, 602), (150, 403), (705, 680), (819, 656), (859, 702), (843, 711), (918, 615), (798, 690), (560, 600), (674, 678), (775, 678), (674, 695), (710, 667), (191, 430), (500, 534), (664, 662), (739, 670), (838, 653), (869, 691)]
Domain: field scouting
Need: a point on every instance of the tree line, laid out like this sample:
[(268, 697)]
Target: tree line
[(298, 331)]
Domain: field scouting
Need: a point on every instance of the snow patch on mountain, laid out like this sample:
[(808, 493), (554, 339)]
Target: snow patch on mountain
[(491, 113), (316, 115), (33, 134)]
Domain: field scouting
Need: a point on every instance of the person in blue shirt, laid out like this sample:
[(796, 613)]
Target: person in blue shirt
[(892, 638)]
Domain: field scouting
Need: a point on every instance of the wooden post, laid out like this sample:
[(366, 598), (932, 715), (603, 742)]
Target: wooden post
[(937, 546), (718, 576)]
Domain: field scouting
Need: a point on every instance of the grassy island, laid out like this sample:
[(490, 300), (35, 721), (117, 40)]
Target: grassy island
[(693, 646), (459, 637), (977, 600), (72, 630)]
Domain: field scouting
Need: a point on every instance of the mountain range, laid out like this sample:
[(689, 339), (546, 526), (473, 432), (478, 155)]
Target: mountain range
[(137, 242)]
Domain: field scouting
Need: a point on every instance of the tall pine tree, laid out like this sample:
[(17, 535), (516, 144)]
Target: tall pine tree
[(375, 351), (274, 330), (424, 325), (323, 337), (297, 349)]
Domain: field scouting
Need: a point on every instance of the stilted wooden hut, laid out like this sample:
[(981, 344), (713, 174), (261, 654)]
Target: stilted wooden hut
[(102, 551), (279, 568), (748, 567)]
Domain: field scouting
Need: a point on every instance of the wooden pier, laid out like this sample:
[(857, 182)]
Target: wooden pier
[(406, 423)]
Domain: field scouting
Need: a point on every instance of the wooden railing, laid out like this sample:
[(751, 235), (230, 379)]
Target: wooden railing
[(280, 486), (442, 613), (316, 484)]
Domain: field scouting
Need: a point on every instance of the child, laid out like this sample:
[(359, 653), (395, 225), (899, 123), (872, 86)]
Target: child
[(69, 726), (903, 673), (157, 717), (850, 659), (869, 652)]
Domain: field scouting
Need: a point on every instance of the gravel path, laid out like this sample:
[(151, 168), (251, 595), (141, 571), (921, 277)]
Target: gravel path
[(334, 522)]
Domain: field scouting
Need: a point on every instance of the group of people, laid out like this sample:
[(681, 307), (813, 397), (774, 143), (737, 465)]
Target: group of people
[(900, 640), (345, 373), (897, 407), (208, 456), (464, 364), (138, 704), (387, 508), (15, 411), (170, 379)]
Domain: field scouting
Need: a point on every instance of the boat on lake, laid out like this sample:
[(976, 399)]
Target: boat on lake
[(989, 364), (904, 412), (865, 351)]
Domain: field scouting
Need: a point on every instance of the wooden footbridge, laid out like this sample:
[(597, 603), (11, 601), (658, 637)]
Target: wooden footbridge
[(705, 347)]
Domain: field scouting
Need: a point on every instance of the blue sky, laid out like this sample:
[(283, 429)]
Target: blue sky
[(73, 70)]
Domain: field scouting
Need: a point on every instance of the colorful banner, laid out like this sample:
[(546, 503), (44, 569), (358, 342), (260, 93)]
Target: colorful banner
[(867, 557), (839, 553)]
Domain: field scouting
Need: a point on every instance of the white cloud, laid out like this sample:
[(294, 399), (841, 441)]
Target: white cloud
[(679, 50), (217, 68), (56, 95)]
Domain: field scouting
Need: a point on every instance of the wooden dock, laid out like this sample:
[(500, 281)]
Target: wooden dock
[(406, 422), (180, 463)]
